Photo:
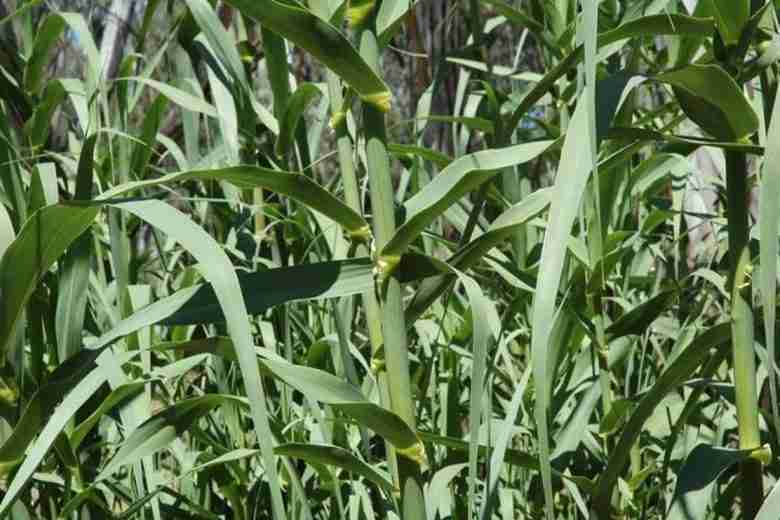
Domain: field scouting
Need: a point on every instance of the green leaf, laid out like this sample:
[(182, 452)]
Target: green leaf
[(638, 319), (85, 387), (219, 39), (618, 413), (527, 22), (711, 98), (502, 228), (296, 106), (390, 15), (83, 390), (322, 387), (770, 509), (485, 329), (452, 183), (116, 398), (570, 182), (678, 370), (511, 456), (406, 150), (45, 38), (265, 289), (38, 126), (472, 123), (321, 40), (142, 152), (217, 270), (41, 404), (704, 464), (83, 34), (681, 144), (293, 185), (7, 234), (43, 239), (43, 186), (182, 98), (644, 26), (732, 16), (609, 93), (658, 24), (326, 388), (569, 437), (159, 431), (769, 226), (335, 456), (75, 267)]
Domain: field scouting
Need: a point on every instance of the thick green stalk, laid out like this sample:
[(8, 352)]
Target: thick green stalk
[(743, 354), (352, 197), (390, 297)]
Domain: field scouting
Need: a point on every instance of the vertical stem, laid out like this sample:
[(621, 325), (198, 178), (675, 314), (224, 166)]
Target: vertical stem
[(279, 77), (391, 300), (344, 147), (742, 330)]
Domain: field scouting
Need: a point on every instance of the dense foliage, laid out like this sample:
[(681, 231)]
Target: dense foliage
[(246, 272)]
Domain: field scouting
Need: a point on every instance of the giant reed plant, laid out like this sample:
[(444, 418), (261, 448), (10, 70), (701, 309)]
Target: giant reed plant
[(206, 313)]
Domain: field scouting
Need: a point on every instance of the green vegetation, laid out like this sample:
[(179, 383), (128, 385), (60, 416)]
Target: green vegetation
[(234, 287)]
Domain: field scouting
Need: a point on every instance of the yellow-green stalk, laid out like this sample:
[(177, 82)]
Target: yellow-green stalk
[(390, 297)]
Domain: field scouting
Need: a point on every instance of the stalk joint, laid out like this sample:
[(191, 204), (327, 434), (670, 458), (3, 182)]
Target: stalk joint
[(415, 453), (361, 235), (384, 268), (762, 454)]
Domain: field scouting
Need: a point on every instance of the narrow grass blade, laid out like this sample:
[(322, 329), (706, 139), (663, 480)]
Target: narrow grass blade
[(180, 97), (47, 35), (7, 234), (638, 319), (160, 430), (296, 106), (658, 24), (40, 406), (459, 178), (116, 398), (680, 368), (321, 40), (38, 127), (293, 185), (570, 182), (402, 151), (713, 100), (769, 226), (265, 289), (218, 270), (335, 456), (485, 328), (74, 277), (43, 239), (325, 388), (704, 464), (72, 402), (219, 39), (645, 26), (84, 389), (770, 509), (682, 144)]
